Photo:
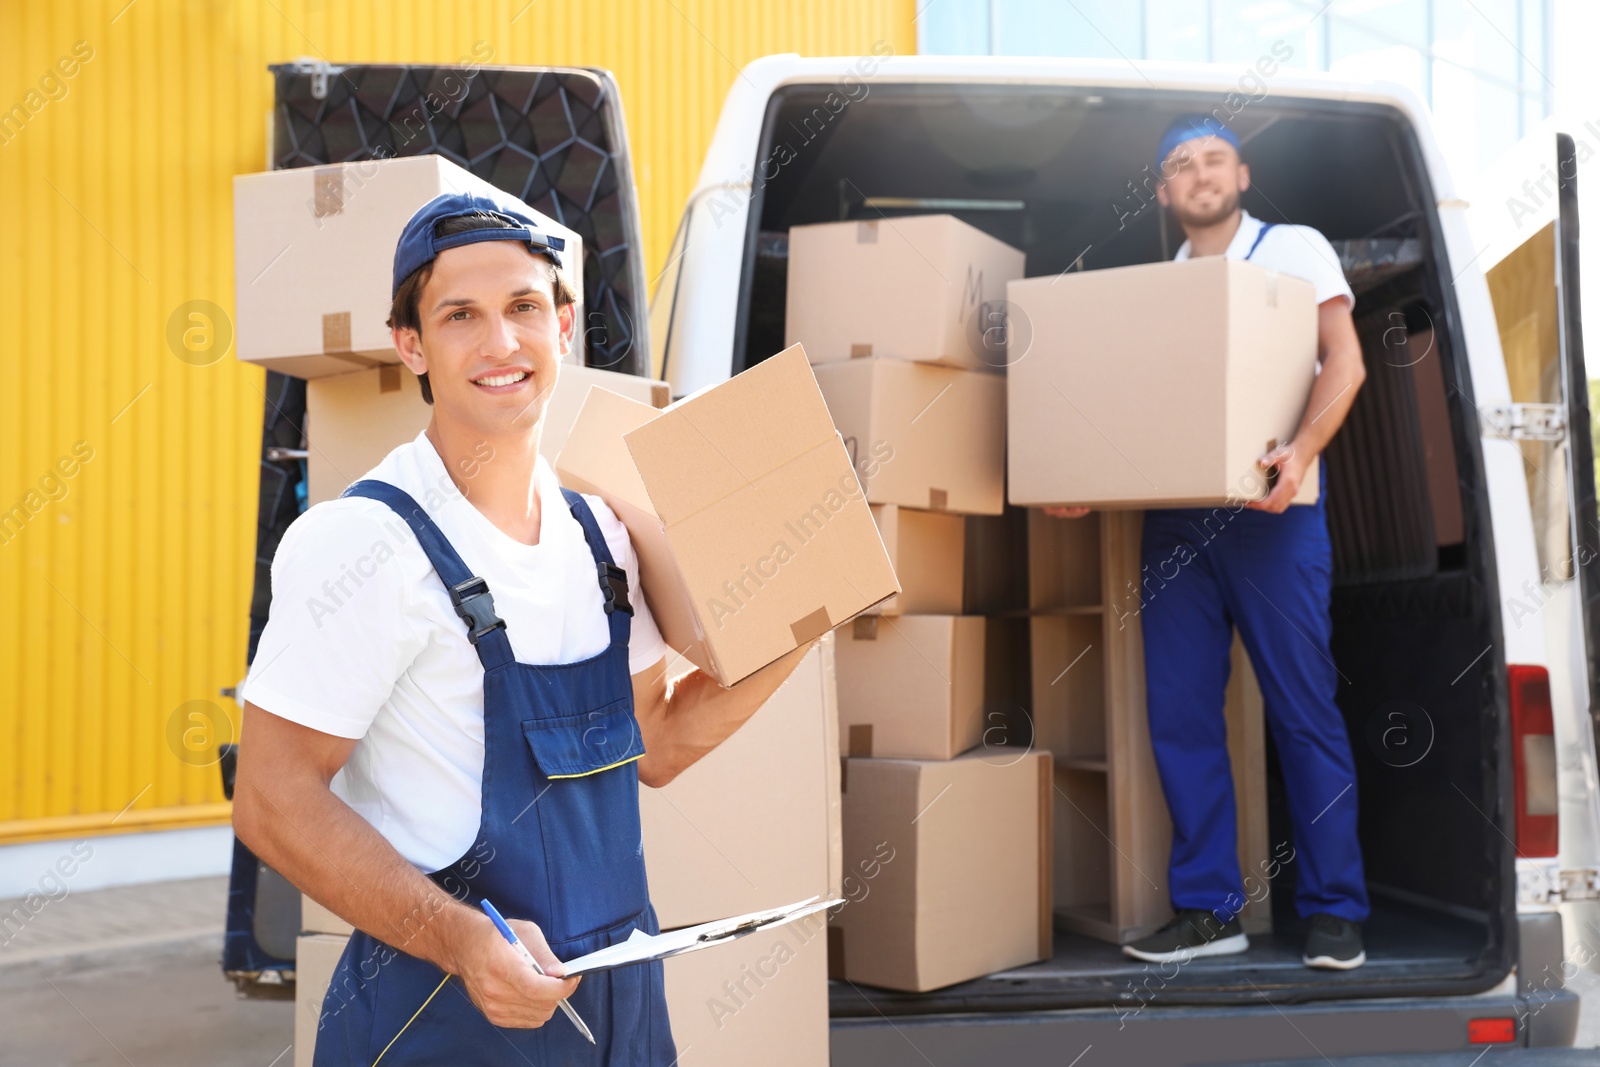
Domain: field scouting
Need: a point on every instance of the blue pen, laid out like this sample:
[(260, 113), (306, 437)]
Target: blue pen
[(516, 943)]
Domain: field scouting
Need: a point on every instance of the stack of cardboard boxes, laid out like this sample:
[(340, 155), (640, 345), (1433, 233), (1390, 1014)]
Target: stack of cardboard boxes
[(751, 472), (946, 829), (997, 744)]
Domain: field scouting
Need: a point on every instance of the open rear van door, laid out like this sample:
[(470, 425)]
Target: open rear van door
[(1533, 281)]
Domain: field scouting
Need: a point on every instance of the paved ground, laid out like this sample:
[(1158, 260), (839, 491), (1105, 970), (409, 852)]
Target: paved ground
[(129, 977)]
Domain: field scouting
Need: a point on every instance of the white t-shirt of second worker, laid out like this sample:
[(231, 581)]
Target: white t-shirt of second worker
[(1298, 251), (362, 641)]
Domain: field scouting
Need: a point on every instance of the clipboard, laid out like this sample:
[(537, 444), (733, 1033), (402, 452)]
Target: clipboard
[(641, 947)]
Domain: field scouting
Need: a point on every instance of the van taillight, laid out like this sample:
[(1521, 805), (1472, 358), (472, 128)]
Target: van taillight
[(1533, 761), (1491, 1031)]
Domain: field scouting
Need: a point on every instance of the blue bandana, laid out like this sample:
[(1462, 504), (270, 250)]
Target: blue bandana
[(1188, 128)]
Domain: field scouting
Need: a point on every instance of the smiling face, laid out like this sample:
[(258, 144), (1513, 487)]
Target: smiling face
[(1204, 178), (491, 337)]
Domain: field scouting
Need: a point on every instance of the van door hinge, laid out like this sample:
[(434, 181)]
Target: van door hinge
[(1525, 422), (1548, 885), (320, 70), (1581, 884)]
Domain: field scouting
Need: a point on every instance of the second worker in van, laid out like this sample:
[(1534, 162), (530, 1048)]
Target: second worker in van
[(1268, 571)]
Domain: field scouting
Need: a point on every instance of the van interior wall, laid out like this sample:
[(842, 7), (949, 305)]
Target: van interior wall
[(1067, 175)]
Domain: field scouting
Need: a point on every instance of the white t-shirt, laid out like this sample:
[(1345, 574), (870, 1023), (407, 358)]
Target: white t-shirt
[(362, 641), (1298, 251)]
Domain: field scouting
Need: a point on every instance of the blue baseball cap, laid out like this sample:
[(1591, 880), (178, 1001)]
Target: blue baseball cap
[(1187, 128), (419, 245)]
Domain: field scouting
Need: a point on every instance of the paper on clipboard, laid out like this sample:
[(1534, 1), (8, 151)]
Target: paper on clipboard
[(642, 947)]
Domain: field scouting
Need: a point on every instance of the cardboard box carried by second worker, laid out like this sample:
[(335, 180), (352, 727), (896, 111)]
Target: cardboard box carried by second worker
[(919, 287), (354, 420), (314, 258), (751, 529), (1157, 385)]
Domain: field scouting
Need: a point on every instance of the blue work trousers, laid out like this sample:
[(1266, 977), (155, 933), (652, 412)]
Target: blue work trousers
[(1204, 572)]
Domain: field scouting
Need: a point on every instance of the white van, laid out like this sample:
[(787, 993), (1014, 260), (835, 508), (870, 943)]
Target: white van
[(1461, 501), (1460, 625)]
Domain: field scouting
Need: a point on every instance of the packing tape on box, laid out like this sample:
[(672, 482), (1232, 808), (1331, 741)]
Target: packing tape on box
[(867, 232), (813, 625), (860, 351), (328, 198), (336, 332), (336, 340), (865, 628), (938, 500), (859, 744)]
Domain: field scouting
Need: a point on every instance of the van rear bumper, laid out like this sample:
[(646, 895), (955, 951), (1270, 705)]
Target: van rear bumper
[(1516, 1057), (1313, 1033)]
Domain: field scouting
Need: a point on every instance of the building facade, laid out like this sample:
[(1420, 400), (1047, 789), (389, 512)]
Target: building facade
[(129, 433), (1485, 67)]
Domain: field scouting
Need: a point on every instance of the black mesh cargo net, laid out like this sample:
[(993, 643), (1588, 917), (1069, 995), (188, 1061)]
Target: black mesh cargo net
[(552, 138)]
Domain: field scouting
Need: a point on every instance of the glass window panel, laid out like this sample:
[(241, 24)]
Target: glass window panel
[(1497, 122), (1454, 122), (1479, 35), (1402, 21), (1097, 29), (954, 27), (1476, 119), (1536, 66), (1357, 52), (1175, 30), (1245, 30), (1533, 112)]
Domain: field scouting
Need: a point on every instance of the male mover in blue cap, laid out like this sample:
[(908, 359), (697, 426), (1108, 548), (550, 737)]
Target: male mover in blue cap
[(1267, 571), (413, 745)]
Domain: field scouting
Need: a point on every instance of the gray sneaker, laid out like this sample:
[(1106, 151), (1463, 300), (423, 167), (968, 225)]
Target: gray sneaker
[(1192, 932), (1334, 944)]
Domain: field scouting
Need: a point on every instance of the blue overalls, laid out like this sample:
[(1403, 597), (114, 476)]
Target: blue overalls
[(559, 844), (1206, 570)]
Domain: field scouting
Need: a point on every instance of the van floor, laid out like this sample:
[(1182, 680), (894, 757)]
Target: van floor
[(1404, 943)]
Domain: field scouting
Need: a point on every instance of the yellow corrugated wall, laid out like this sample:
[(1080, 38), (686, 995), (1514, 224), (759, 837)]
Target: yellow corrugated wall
[(128, 477)]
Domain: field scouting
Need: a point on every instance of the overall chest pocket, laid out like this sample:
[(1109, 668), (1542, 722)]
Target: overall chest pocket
[(574, 746), (588, 815)]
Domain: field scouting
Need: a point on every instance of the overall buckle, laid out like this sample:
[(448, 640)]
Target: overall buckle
[(614, 587), (475, 605)]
